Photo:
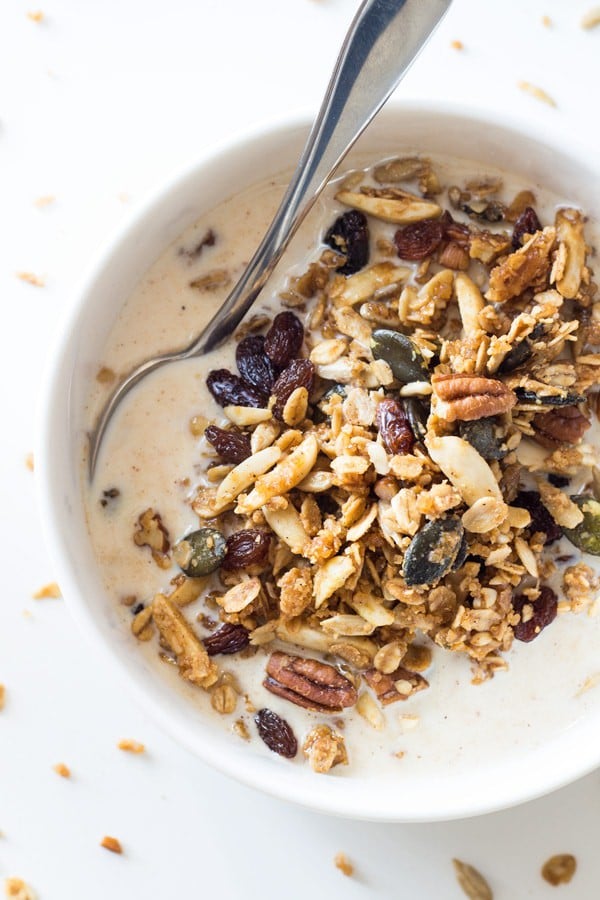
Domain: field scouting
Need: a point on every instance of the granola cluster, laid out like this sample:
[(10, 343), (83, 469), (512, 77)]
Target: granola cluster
[(394, 458)]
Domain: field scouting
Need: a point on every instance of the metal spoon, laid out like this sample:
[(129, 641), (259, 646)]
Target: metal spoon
[(382, 42)]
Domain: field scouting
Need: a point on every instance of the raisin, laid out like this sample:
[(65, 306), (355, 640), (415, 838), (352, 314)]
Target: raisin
[(527, 223), (299, 373), (228, 639), (246, 548), (350, 235), (559, 481), (544, 612), (276, 733), (284, 339), (254, 365), (419, 239), (229, 389), (232, 446), (137, 608), (394, 428), (541, 520)]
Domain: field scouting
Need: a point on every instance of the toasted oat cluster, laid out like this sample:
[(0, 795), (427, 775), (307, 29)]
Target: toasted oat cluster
[(394, 458)]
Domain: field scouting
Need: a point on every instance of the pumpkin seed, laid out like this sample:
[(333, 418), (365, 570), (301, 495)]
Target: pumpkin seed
[(433, 551), (564, 398), (481, 434), (586, 535), (403, 357), (418, 413), (200, 552)]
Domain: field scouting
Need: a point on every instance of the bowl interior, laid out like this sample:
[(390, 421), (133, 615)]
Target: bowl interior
[(536, 758)]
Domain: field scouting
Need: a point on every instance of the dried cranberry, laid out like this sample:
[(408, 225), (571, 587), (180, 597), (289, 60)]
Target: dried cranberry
[(527, 223), (541, 520), (276, 733), (299, 373), (394, 428), (228, 639), (232, 446), (419, 239), (246, 548), (254, 365), (229, 389), (544, 612), (350, 235), (284, 339)]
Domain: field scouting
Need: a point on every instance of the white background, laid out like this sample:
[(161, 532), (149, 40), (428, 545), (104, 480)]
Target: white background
[(99, 103)]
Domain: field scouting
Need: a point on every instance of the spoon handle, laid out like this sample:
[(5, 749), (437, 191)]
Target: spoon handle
[(382, 42)]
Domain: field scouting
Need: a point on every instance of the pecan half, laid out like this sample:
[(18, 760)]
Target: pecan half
[(565, 425), (469, 397), (308, 683), (399, 685)]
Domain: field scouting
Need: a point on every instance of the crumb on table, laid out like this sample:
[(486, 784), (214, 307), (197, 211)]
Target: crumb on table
[(36, 16), (536, 92), (457, 45), (2, 696), (546, 21), (131, 746), (46, 200), (50, 591), (16, 889), (342, 862), (31, 278), (591, 18), (62, 770), (111, 843), (29, 462)]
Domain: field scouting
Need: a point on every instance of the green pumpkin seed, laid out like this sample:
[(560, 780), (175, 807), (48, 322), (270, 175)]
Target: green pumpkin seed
[(433, 551), (319, 415), (403, 357), (200, 552), (586, 536), (481, 434)]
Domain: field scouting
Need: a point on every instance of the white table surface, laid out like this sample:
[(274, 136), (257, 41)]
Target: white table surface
[(99, 103)]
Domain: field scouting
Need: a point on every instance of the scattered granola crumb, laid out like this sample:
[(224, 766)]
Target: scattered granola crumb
[(37, 16), (16, 889), (123, 197), (241, 729), (546, 21), (2, 696), (104, 375), (590, 682), (131, 746), (559, 869), (591, 18), (342, 862), (536, 92), (30, 278), (29, 461), (49, 591), (471, 881), (457, 45), (111, 843), (62, 770), (46, 200)]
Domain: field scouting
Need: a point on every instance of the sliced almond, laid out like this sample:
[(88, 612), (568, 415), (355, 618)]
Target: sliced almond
[(569, 233), (362, 285), (286, 475), (246, 415), (240, 595), (470, 303), (246, 474), (347, 625), (330, 577), (401, 209), (464, 467), (485, 514), (287, 525)]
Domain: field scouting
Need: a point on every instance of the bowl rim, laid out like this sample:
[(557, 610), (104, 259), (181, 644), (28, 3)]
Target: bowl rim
[(285, 785)]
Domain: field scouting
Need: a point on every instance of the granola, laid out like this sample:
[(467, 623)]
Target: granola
[(397, 456)]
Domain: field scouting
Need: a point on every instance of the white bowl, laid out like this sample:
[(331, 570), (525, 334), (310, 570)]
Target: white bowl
[(533, 766)]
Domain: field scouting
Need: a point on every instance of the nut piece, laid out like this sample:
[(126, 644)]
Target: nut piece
[(570, 263), (527, 267), (464, 467), (308, 683), (285, 476), (559, 869), (150, 532), (331, 576), (324, 749), (399, 685), (470, 397), (471, 881), (565, 425), (192, 659), (391, 205), (560, 506)]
